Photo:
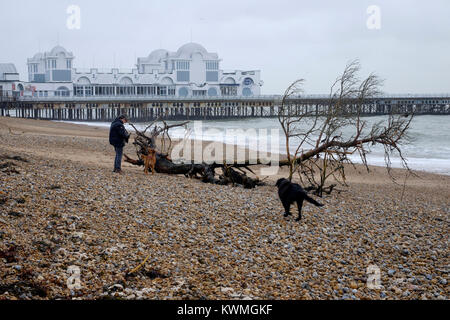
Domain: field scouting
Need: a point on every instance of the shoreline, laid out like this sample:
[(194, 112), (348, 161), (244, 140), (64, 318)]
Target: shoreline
[(71, 129), (416, 163), (64, 207)]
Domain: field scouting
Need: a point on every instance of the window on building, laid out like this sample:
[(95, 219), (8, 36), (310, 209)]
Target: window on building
[(228, 90), (51, 64), (183, 92), (69, 64), (247, 92), (183, 76), (183, 65), (88, 90), (212, 92), (199, 93), (62, 92), (161, 91), (248, 82), (78, 91), (212, 76), (212, 65)]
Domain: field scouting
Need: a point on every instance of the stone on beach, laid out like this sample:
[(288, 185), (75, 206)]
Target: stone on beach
[(205, 241)]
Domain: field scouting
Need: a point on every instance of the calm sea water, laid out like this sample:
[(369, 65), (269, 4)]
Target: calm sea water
[(429, 149)]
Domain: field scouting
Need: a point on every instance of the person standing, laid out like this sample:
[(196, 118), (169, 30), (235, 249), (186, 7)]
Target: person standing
[(118, 136)]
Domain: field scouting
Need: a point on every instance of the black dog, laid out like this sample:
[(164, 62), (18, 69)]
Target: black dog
[(292, 192)]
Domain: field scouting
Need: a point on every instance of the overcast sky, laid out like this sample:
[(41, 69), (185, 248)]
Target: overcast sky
[(285, 39)]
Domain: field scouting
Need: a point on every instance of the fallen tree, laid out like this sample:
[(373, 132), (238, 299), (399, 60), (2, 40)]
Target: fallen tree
[(321, 148), (231, 174)]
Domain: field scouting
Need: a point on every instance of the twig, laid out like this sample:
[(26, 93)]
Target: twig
[(139, 266)]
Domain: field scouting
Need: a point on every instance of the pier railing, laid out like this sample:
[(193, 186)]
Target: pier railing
[(71, 96), (62, 105)]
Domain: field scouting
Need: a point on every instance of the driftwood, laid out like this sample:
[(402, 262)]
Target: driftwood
[(203, 171)]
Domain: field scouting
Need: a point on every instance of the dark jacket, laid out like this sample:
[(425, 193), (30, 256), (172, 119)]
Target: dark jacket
[(117, 134)]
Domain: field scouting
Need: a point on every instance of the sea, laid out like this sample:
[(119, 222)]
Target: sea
[(426, 149)]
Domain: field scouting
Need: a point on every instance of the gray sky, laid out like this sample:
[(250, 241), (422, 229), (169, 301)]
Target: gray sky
[(285, 39)]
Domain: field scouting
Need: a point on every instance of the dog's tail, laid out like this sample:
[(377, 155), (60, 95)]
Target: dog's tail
[(311, 200)]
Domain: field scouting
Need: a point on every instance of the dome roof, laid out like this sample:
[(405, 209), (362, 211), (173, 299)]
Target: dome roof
[(38, 56), (58, 49), (189, 48), (157, 55), (7, 68)]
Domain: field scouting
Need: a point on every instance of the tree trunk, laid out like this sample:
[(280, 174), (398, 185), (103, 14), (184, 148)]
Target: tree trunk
[(203, 171)]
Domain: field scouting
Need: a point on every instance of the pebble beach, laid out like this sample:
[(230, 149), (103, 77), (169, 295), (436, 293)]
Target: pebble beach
[(61, 207)]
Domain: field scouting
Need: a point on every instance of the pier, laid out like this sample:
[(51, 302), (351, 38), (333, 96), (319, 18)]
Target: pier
[(148, 108)]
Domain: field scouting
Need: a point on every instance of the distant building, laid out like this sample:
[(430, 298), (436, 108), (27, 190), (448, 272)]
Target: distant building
[(8, 72), (53, 66), (191, 71), (9, 80)]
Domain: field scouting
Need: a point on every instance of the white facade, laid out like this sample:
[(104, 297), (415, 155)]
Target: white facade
[(191, 71), (53, 66)]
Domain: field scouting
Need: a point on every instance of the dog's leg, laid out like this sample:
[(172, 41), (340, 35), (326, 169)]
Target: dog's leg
[(146, 164), (287, 208), (299, 205), (143, 159)]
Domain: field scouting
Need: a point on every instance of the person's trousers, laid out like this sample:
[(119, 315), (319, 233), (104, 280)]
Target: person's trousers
[(118, 159)]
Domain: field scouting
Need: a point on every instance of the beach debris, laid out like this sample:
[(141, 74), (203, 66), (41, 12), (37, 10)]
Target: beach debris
[(138, 267)]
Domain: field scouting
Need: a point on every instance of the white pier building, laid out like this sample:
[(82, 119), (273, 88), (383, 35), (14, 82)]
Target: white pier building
[(191, 71)]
